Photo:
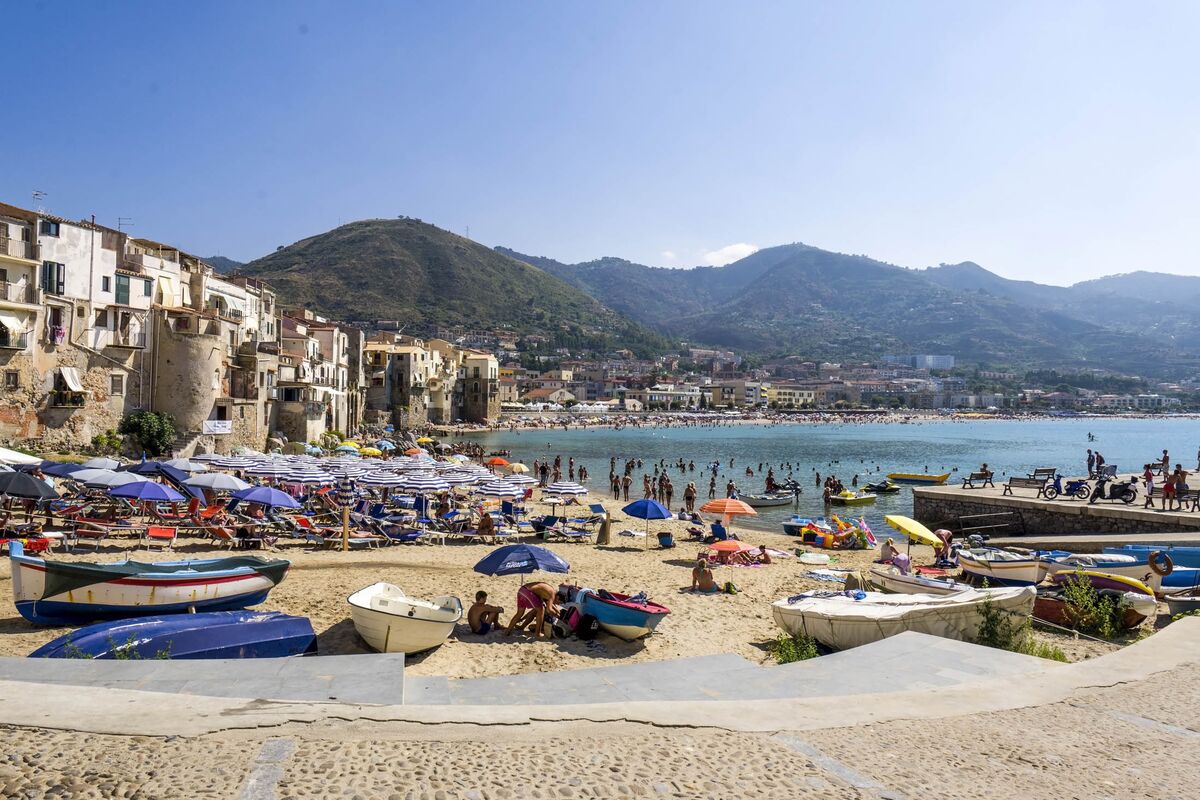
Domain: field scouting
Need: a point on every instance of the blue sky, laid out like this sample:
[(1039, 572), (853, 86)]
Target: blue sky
[(1048, 141)]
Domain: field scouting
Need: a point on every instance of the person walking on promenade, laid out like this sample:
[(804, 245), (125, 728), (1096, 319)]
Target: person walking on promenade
[(1166, 464), (1168, 491), (1148, 479), (1181, 486)]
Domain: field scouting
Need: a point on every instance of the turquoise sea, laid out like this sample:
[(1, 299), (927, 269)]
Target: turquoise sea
[(868, 450)]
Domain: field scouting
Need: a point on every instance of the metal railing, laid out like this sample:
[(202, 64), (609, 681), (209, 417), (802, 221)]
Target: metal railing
[(13, 341), (18, 249), (127, 339), (68, 399), (17, 292)]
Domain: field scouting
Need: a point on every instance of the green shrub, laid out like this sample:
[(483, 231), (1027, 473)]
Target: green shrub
[(1004, 631), (106, 443), (151, 431), (1091, 612), (787, 649)]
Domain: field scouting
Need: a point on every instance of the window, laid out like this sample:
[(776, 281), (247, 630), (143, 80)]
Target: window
[(54, 277), (102, 318), (12, 379), (116, 384), (49, 228), (147, 287), (105, 283), (3, 276), (123, 290)]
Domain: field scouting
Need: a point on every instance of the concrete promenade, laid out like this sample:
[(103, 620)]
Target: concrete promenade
[(943, 504), (1122, 725)]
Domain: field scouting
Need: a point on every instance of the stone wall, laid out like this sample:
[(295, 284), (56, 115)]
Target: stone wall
[(933, 506)]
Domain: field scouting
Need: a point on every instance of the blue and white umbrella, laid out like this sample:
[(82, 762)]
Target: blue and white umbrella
[(382, 479), (218, 482), (425, 484), (565, 488), (147, 490), (516, 559), (499, 489), (266, 496)]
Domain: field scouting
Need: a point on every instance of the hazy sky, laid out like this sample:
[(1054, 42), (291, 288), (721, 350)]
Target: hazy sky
[(1050, 141)]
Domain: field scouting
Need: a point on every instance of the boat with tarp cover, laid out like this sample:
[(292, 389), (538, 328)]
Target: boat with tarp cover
[(69, 592)]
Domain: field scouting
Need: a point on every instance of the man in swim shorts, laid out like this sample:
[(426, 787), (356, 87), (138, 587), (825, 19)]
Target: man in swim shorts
[(534, 602), (482, 617)]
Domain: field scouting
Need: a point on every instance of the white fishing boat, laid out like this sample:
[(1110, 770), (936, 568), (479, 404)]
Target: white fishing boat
[(999, 567), (1127, 566), (390, 621), (889, 579), (842, 621)]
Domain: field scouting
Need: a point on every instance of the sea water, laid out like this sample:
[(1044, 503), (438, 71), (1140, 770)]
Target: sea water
[(868, 450)]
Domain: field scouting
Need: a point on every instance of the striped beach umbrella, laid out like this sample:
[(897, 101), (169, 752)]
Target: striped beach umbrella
[(565, 488), (521, 480), (425, 484), (218, 482), (499, 489), (382, 479)]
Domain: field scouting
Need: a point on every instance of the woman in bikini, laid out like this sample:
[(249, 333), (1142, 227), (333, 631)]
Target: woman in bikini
[(702, 578)]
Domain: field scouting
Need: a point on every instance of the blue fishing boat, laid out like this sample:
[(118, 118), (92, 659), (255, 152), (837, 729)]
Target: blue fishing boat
[(69, 592), (1181, 556), (624, 616), (214, 634)]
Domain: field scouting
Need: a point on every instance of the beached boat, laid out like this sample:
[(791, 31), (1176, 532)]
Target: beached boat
[(1103, 581), (845, 620), (888, 579), (998, 567), (212, 634), (771, 499), (390, 621), (67, 592), (849, 498), (1183, 602), (797, 525), (1051, 606), (1129, 566), (624, 616), (916, 477), (1181, 556)]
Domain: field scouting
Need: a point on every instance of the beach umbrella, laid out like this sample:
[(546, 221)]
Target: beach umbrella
[(728, 507), (8, 456), (915, 531), (496, 461), (25, 486), (515, 468), (425, 484), (370, 451), (443, 446), (382, 479), (499, 489), (110, 481), (186, 465), (102, 462), (386, 444), (206, 457), (521, 480), (412, 451), (218, 482), (565, 488), (155, 468), (62, 470), (730, 546), (515, 559), (349, 444), (460, 458), (266, 496), (345, 448), (147, 490), (647, 509), (424, 440)]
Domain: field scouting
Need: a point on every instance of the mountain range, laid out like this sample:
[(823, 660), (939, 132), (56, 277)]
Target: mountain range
[(793, 299)]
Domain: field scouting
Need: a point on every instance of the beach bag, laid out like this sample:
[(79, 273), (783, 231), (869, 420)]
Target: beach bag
[(588, 628), (730, 588)]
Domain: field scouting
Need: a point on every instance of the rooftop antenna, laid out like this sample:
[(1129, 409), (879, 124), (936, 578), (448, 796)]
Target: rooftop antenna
[(38, 197), (468, 232), (122, 222)]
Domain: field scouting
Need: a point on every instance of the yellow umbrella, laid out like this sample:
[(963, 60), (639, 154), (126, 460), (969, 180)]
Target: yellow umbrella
[(517, 468), (350, 443), (370, 451), (424, 440), (915, 531)]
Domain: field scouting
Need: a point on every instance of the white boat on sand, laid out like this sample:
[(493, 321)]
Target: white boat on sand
[(392, 622), (888, 579), (999, 567), (841, 622)]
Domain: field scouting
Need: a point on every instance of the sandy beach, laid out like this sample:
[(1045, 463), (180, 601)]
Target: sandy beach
[(319, 582)]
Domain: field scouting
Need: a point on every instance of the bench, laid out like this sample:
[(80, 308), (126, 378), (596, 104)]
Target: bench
[(1026, 483), (1190, 496), (1044, 473), (984, 479)]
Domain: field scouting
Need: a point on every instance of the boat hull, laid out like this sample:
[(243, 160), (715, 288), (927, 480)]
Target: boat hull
[(893, 582), (622, 618), (1183, 603), (1052, 607), (220, 634), (382, 618), (856, 500), (767, 500), (1181, 556), (913, 477), (1018, 572), (1103, 581), (64, 593), (841, 622), (1137, 570)]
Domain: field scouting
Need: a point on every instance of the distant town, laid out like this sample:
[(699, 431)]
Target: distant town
[(96, 324)]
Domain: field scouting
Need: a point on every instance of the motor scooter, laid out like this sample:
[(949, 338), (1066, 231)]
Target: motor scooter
[(1076, 488), (1114, 490)]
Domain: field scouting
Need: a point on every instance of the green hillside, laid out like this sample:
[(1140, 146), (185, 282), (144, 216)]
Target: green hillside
[(427, 277)]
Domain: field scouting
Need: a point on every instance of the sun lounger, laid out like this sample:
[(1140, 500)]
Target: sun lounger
[(159, 536)]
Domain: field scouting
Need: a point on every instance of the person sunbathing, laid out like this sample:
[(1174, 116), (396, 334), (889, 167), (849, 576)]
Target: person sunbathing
[(535, 601), (481, 617), (702, 578), (487, 527), (887, 552)]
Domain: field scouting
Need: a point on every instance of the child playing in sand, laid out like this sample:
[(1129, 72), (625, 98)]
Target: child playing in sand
[(482, 617)]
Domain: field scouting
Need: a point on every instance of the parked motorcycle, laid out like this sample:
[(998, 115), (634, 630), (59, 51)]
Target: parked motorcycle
[(1109, 489), (1076, 488)]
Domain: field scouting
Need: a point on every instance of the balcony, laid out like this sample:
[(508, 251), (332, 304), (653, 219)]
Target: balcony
[(13, 341), (135, 341), (225, 312), (17, 292), (68, 399), (269, 348), (14, 249)]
